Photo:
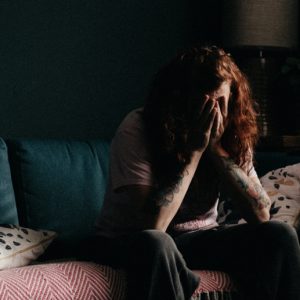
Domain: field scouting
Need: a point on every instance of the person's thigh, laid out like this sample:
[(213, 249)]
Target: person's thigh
[(231, 248), (217, 248), (155, 267)]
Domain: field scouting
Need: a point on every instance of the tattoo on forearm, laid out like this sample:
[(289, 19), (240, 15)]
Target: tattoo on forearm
[(259, 195), (166, 196), (256, 193)]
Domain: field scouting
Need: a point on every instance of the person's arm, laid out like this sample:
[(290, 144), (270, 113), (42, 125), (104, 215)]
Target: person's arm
[(160, 207), (247, 192)]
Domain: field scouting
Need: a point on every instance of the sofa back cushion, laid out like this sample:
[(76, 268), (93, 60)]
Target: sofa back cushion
[(59, 185), (8, 209)]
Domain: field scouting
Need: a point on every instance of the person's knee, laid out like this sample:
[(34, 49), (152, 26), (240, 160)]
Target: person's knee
[(278, 234), (156, 239)]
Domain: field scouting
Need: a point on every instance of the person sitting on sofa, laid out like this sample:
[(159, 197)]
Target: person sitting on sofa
[(193, 139)]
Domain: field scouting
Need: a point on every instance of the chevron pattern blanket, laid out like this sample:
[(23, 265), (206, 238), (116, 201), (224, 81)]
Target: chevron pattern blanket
[(85, 281)]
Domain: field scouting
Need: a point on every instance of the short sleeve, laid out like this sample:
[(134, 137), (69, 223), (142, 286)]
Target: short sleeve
[(251, 172), (130, 158)]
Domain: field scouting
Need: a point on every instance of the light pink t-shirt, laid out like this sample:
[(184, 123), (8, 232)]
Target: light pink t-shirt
[(130, 164)]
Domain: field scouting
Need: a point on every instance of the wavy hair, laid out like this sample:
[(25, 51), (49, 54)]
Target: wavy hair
[(172, 109)]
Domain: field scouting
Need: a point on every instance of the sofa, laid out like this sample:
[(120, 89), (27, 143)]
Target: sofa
[(51, 191)]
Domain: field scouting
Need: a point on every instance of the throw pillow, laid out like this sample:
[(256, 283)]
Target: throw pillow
[(283, 188), (20, 246)]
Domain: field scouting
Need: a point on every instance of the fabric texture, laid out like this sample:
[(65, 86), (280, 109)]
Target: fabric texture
[(60, 185), (126, 167), (138, 251), (63, 281), (129, 166), (237, 250), (213, 281), (89, 281), (214, 285), (283, 188), (8, 207), (216, 295), (159, 267), (20, 246)]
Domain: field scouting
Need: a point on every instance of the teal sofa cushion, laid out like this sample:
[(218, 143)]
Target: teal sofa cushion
[(59, 185), (8, 210)]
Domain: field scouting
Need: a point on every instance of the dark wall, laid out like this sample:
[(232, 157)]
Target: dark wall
[(74, 68)]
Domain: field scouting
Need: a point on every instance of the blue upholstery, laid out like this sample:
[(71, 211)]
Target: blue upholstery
[(8, 209), (59, 185)]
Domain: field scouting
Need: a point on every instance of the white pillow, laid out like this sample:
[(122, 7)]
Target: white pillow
[(283, 188), (20, 246)]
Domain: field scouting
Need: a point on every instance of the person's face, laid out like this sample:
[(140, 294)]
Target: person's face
[(221, 96)]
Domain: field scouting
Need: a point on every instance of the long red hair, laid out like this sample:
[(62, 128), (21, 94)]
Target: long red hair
[(171, 110)]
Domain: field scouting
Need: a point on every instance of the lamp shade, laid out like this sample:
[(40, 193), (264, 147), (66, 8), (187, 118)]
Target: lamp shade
[(262, 23)]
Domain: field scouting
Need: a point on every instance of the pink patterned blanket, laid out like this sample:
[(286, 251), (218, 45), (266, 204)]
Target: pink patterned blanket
[(75, 280)]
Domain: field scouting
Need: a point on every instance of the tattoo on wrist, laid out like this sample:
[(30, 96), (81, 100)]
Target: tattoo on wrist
[(256, 193)]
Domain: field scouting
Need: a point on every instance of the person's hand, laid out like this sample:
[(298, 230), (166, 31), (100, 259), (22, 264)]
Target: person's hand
[(219, 124), (201, 133)]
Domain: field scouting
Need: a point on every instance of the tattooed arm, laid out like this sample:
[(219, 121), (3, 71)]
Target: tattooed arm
[(160, 207), (247, 192)]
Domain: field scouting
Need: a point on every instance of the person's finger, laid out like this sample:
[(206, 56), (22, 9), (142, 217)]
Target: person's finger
[(223, 106), (206, 97), (217, 121), (209, 105), (211, 120)]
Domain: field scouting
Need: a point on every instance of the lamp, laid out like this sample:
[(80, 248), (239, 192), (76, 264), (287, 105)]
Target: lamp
[(260, 23), (260, 27)]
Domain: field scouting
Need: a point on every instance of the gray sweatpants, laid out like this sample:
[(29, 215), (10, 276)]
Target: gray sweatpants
[(263, 259)]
